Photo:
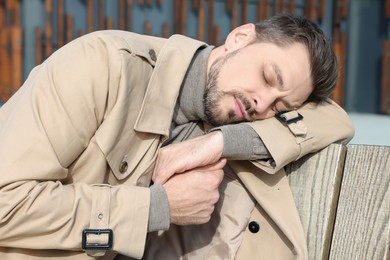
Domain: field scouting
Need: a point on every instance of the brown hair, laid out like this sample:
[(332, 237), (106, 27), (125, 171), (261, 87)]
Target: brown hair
[(284, 30)]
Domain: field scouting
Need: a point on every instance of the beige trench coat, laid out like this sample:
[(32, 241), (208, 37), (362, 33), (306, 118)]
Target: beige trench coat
[(79, 139)]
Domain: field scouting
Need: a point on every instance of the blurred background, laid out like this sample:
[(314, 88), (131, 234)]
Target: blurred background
[(30, 30)]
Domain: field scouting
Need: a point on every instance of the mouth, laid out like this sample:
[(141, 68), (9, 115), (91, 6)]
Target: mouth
[(239, 109)]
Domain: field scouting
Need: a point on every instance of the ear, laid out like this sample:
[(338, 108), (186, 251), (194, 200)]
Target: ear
[(240, 37)]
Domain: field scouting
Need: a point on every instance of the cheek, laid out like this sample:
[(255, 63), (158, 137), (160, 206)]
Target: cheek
[(224, 82), (242, 82), (236, 75)]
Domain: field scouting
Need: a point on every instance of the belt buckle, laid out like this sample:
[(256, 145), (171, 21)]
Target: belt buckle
[(96, 246)]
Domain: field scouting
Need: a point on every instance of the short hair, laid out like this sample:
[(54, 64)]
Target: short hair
[(284, 30)]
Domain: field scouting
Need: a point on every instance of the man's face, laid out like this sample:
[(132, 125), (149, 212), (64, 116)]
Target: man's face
[(256, 82)]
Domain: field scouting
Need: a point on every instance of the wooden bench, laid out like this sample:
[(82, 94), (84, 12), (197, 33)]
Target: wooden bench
[(343, 198)]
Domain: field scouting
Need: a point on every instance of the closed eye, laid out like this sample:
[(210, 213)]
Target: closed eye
[(267, 78)]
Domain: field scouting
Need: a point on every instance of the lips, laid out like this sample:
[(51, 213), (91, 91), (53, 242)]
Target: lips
[(239, 108)]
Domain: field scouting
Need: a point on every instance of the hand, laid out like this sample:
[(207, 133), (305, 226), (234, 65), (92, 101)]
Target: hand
[(187, 155), (192, 195)]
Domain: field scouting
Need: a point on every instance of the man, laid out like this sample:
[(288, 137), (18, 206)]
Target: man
[(79, 143)]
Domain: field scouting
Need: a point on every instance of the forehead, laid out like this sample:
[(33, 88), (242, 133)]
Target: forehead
[(294, 57), (289, 64)]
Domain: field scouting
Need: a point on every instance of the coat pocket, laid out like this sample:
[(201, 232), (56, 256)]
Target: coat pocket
[(132, 157)]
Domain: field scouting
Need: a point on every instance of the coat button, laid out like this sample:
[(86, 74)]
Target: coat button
[(254, 227), (152, 55), (123, 167)]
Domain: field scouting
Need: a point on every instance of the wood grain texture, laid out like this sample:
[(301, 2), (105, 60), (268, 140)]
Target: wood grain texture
[(60, 23), (121, 15), (210, 22), (244, 11), (234, 14), (387, 9), (16, 57), (315, 183), (201, 20), (38, 45), (48, 27), (90, 11), (363, 213)]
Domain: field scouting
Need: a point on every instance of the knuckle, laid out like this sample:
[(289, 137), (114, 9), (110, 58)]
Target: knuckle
[(162, 152), (207, 216), (204, 220)]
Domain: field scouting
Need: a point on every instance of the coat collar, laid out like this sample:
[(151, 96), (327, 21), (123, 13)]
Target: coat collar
[(172, 63)]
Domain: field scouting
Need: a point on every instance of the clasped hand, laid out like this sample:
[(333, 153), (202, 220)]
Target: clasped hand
[(191, 173)]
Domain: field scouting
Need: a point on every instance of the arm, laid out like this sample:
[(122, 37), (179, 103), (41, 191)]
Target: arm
[(321, 125), (241, 142), (43, 129), (46, 127), (268, 143)]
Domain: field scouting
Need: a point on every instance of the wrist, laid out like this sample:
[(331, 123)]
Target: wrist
[(216, 141)]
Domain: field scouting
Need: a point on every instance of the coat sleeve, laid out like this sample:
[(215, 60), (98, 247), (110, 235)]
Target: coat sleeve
[(44, 127), (320, 126)]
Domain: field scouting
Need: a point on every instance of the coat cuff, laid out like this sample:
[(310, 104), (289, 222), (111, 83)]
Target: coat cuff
[(319, 126), (280, 142), (125, 211)]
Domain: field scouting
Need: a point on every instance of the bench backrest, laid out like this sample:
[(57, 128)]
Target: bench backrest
[(343, 198)]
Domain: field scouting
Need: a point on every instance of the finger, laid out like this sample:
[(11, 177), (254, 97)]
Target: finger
[(160, 177), (213, 166)]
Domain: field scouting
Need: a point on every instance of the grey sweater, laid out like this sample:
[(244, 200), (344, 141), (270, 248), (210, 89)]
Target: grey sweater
[(187, 122)]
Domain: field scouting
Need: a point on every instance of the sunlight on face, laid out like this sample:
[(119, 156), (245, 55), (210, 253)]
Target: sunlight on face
[(257, 81)]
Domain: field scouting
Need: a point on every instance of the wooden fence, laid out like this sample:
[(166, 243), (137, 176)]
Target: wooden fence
[(48, 38), (10, 48)]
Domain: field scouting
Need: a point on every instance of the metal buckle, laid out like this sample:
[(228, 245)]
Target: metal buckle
[(280, 116), (87, 246)]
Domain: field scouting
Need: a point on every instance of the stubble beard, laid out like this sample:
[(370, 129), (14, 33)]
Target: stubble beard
[(212, 97)]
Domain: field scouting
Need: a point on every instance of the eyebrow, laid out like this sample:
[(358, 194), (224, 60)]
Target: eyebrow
[(278, 73)]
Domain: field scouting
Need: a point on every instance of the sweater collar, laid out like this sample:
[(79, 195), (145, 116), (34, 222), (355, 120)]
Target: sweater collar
[(190, 99)]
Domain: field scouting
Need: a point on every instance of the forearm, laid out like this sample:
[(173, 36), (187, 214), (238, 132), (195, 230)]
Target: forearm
[(321, 125), (33, 211), (44, 130), (271, 144)]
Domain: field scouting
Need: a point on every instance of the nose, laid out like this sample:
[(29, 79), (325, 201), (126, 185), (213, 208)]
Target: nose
[(263, 106)]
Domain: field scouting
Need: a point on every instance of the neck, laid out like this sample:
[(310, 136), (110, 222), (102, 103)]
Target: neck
[(190, 99)]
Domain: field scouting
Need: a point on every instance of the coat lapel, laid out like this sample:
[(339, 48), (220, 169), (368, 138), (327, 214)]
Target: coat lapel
[(160, 98), (126, 144)]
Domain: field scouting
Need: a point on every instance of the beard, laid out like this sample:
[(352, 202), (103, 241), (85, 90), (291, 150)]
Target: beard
[(213, 97)]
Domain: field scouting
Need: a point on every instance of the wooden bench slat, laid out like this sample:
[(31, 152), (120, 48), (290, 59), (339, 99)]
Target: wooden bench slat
[(315, 182), (363, 213)]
